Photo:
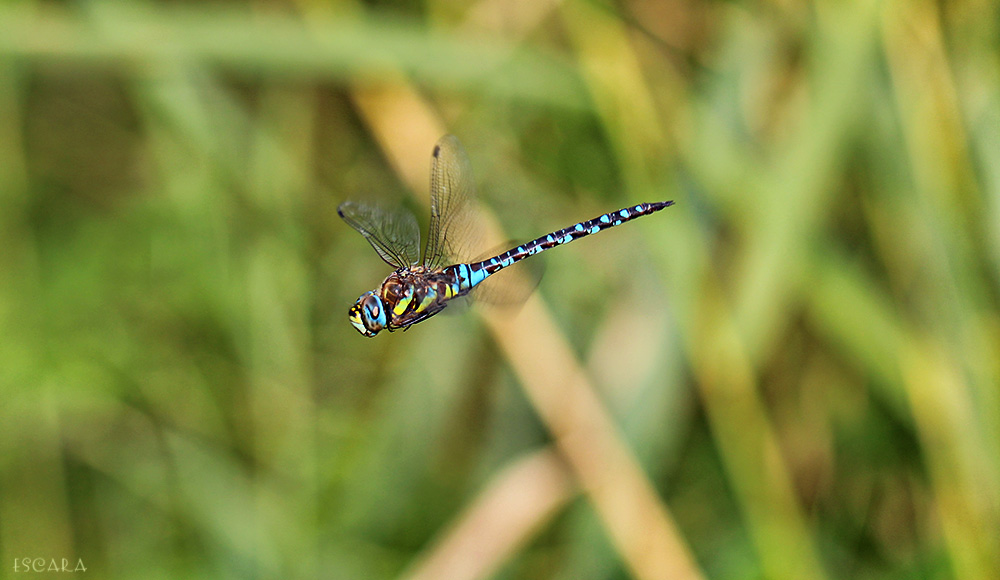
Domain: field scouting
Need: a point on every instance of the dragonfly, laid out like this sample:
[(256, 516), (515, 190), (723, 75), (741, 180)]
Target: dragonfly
[(420, 287)]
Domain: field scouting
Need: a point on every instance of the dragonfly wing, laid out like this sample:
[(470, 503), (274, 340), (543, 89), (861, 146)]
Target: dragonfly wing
[(452, 191), (511, 286), (392, 232)]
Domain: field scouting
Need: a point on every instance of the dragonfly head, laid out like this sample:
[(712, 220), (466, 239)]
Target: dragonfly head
[(368, 314)]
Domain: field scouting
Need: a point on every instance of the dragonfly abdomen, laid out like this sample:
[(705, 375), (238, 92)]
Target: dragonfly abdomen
[(480, 270)]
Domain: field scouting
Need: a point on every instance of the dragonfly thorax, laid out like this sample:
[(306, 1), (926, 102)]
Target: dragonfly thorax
[(400, 286)]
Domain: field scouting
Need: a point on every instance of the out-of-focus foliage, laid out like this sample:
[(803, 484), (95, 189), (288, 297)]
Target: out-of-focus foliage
[(803, 354)]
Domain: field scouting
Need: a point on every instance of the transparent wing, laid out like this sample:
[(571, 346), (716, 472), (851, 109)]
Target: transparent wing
[(392, 232), (511, 286), (452, 194)]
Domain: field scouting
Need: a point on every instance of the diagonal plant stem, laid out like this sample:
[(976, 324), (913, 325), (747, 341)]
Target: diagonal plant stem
[(637, 522), (519, 501)]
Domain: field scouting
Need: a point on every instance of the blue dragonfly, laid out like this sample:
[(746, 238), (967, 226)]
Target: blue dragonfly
[(420, 287)]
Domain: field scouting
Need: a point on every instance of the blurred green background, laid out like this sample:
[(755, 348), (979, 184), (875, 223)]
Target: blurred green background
[(793, 373)]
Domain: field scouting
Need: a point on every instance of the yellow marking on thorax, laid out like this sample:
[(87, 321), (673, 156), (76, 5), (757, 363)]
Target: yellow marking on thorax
[(400, 308), (428, 300)]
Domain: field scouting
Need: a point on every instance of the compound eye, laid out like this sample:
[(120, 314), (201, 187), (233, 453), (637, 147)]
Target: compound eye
[(373, 310), (372, 313), (367, 315)]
